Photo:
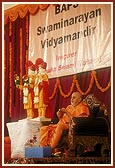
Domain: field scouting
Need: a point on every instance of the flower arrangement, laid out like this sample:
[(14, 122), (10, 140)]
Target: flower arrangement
[(16, 79)]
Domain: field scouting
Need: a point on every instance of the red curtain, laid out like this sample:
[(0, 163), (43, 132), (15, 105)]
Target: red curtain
[(15, 56)]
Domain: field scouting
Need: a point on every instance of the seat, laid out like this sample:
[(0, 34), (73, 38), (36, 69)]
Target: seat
[(90, 135)]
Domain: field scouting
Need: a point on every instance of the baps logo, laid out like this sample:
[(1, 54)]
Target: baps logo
[(64, 7)]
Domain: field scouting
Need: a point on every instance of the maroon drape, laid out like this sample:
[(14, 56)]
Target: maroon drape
[(18, 111)]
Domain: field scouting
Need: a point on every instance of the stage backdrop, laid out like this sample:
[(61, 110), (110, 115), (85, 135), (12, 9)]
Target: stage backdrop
[(69, 38)]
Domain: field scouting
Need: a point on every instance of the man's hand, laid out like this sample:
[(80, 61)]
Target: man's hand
[(61, 112)]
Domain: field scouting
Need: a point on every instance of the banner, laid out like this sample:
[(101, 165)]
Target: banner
[(71, 38)]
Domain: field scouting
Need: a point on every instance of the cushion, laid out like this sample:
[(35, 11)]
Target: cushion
[(90, 126)]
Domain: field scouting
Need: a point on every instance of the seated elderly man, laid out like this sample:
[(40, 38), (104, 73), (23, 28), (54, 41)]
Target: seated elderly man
[(50, 135)]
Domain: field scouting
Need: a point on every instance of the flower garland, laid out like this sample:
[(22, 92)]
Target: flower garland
[(98, 85), (10, 71), (89, 88), (54, 91), (27, 38), (75, 82), (71, 88), (21, 94)]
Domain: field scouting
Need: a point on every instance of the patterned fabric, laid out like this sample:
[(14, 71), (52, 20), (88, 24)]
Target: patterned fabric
[(93, 104), (20, 133), (92, 101)]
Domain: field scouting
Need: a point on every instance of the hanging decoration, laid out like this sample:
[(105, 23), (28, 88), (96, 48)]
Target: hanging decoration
[(75, 82)]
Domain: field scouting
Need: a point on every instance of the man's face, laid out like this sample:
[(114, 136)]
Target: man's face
[(41, 70), (76, 98), (30, 72)]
